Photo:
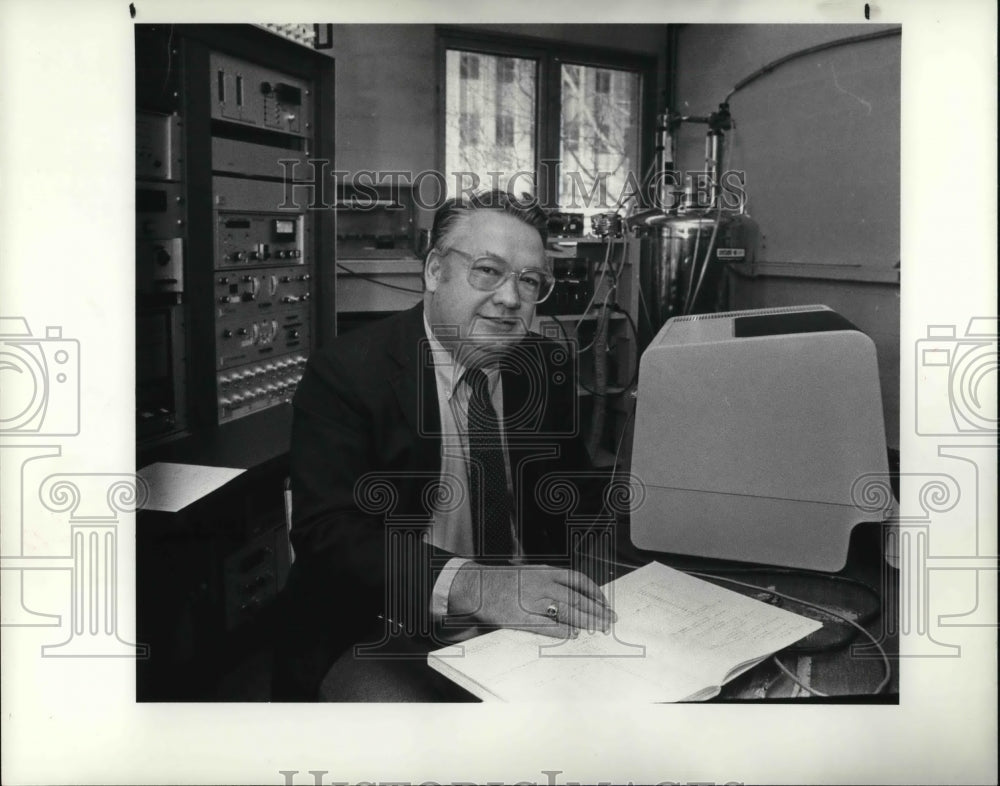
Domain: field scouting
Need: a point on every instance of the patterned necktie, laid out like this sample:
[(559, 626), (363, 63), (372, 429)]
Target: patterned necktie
[(489, 498)]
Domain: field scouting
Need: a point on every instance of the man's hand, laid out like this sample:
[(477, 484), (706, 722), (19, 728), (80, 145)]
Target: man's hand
[(521, 596)]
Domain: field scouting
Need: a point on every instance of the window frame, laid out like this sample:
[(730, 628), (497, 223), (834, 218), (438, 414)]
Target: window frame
[(549, 55)]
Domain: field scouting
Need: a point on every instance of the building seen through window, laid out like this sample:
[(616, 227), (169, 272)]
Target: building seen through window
[(599, 139), (494, 124), (490, 122)]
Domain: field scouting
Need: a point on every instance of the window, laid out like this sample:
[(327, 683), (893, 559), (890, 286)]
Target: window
[(506, 70), (604, 113), (603, 141), (471, 156), (470, 66), (469, 128), (505, 130), (570, 133), (579, 106)]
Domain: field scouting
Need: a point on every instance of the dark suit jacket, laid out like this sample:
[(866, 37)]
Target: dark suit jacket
[(366, 460)]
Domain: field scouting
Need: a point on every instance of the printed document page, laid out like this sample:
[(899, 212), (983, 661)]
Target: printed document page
[(677, 638)]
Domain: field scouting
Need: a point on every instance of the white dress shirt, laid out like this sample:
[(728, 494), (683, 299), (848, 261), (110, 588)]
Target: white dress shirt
[(451, 525)]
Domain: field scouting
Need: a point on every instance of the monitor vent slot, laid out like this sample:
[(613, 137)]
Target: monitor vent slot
[(750, 312)]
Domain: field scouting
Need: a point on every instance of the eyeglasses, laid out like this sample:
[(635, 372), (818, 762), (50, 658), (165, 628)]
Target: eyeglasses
[(488, 274)]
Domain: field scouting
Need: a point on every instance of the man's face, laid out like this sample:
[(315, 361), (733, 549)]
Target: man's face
[(469, 320)]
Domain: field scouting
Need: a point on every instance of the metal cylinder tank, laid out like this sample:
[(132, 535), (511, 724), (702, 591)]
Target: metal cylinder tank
[(688, 256)]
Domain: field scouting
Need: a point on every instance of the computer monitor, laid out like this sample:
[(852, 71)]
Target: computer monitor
[(756, 433)]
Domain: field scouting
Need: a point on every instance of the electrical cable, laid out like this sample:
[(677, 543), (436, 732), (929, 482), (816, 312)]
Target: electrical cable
[(635, 337), (597, 288), (805, 573), (809, 51), (376, 281), (598, 410), (817, 607), (793, 599), (771, 570), (624, 258), (788, 673), (644, 312), (590, 390), (166, 75), (694, 268), (612, 287), (621, 440), (604, 305), (708, 256)]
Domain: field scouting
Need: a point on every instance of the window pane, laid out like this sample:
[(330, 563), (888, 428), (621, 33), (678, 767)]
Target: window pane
[(599, 140), (505, 130), (489, 121), (469, 67)]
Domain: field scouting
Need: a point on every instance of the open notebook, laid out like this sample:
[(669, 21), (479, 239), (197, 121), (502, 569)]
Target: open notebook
[(677, 638)]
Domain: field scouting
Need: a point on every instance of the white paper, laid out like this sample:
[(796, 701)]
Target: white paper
[(677, 637), (173, 487)]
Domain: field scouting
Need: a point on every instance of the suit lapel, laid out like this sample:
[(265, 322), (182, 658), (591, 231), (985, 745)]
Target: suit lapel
[(414, 386)]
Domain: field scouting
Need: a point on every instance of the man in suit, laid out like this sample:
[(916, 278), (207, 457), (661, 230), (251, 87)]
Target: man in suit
[(431, 457)]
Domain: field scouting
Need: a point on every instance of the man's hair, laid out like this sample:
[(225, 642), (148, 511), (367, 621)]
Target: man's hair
[(524, 208)]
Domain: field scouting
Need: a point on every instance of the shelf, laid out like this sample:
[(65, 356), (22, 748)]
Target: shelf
[(394, 266), (588, 317), (867, 274)]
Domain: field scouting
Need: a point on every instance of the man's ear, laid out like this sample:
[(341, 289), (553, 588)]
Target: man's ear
[(433, 271)]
